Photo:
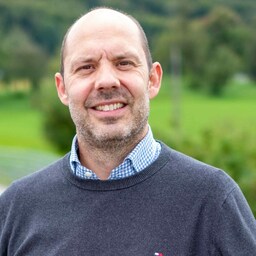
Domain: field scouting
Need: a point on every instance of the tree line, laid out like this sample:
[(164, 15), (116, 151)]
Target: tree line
[(214, 40)]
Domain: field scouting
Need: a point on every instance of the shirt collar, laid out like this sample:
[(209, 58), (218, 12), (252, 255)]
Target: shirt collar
[(145, 152), (142, 154)]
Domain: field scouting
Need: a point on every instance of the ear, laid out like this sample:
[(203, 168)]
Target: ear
[(155, 79), (61, 89)]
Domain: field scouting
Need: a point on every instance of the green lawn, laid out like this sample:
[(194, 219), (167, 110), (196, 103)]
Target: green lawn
[(235, 111), (21, 123)]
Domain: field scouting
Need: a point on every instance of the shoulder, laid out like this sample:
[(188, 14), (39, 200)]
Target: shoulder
[(206, 186), (184, 171), (37, 182)]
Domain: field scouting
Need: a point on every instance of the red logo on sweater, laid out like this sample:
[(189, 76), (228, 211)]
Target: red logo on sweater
[(158, 254)]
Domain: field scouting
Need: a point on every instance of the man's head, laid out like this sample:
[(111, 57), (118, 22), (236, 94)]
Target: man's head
[(144, 41), (107, 77)]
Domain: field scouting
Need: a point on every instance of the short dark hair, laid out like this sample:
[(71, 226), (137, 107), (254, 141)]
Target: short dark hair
[(143, 36)]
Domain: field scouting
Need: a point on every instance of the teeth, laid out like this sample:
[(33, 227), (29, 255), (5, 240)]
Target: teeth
[(110, 107)]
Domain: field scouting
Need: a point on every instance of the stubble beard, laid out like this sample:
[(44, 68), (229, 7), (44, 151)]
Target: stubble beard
[(114, 141)]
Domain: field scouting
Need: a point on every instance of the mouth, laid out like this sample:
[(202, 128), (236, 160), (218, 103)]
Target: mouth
[(109, 107)]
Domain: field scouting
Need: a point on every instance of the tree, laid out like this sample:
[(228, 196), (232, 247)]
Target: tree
[(250, 56), (218, 52), (31, 33), (22, 58), (219, 69)]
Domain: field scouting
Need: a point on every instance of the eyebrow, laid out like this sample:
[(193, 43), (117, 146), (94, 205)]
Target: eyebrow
[(121, 56), (127, 56)]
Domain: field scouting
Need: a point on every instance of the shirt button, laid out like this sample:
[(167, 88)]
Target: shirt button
[(88, 174)]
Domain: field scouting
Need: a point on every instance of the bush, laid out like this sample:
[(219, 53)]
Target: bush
[(58, 126)]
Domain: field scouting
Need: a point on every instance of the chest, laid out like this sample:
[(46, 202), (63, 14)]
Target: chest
[(123, 224)]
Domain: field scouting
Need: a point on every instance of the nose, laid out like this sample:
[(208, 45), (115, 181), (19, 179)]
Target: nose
[(106, 77)]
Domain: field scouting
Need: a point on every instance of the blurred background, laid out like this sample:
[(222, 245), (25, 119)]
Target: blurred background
[(207, 104)]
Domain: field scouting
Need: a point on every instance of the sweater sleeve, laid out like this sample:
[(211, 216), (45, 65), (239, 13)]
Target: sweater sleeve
[(8, 213), (4, 209), (235, 230)]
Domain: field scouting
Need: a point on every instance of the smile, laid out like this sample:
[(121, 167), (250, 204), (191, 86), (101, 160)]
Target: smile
[(110, 107)]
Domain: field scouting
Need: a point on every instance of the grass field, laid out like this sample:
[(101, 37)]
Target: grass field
[(235, 111), (21, 123), (22, 135)]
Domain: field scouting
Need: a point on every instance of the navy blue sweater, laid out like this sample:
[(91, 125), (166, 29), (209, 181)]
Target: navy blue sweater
[(177, 206)]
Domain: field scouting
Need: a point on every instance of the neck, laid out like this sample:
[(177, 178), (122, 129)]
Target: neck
[(104, 159)]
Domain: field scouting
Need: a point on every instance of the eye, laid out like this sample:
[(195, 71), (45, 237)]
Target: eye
[(125, 64), (87, 68)]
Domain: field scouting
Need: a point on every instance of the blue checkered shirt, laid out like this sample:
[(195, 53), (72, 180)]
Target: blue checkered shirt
[(145, 153)]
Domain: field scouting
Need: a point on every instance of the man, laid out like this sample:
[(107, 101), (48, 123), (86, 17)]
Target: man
[(120, 192)]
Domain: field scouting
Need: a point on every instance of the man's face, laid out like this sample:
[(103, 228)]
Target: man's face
[(106, 81)]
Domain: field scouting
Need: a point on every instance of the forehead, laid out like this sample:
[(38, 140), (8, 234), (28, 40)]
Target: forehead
[(100, 27)]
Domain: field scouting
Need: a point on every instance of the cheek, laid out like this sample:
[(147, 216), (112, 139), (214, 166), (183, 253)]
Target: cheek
[(136, 84), (142, 93), (78, 91)]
